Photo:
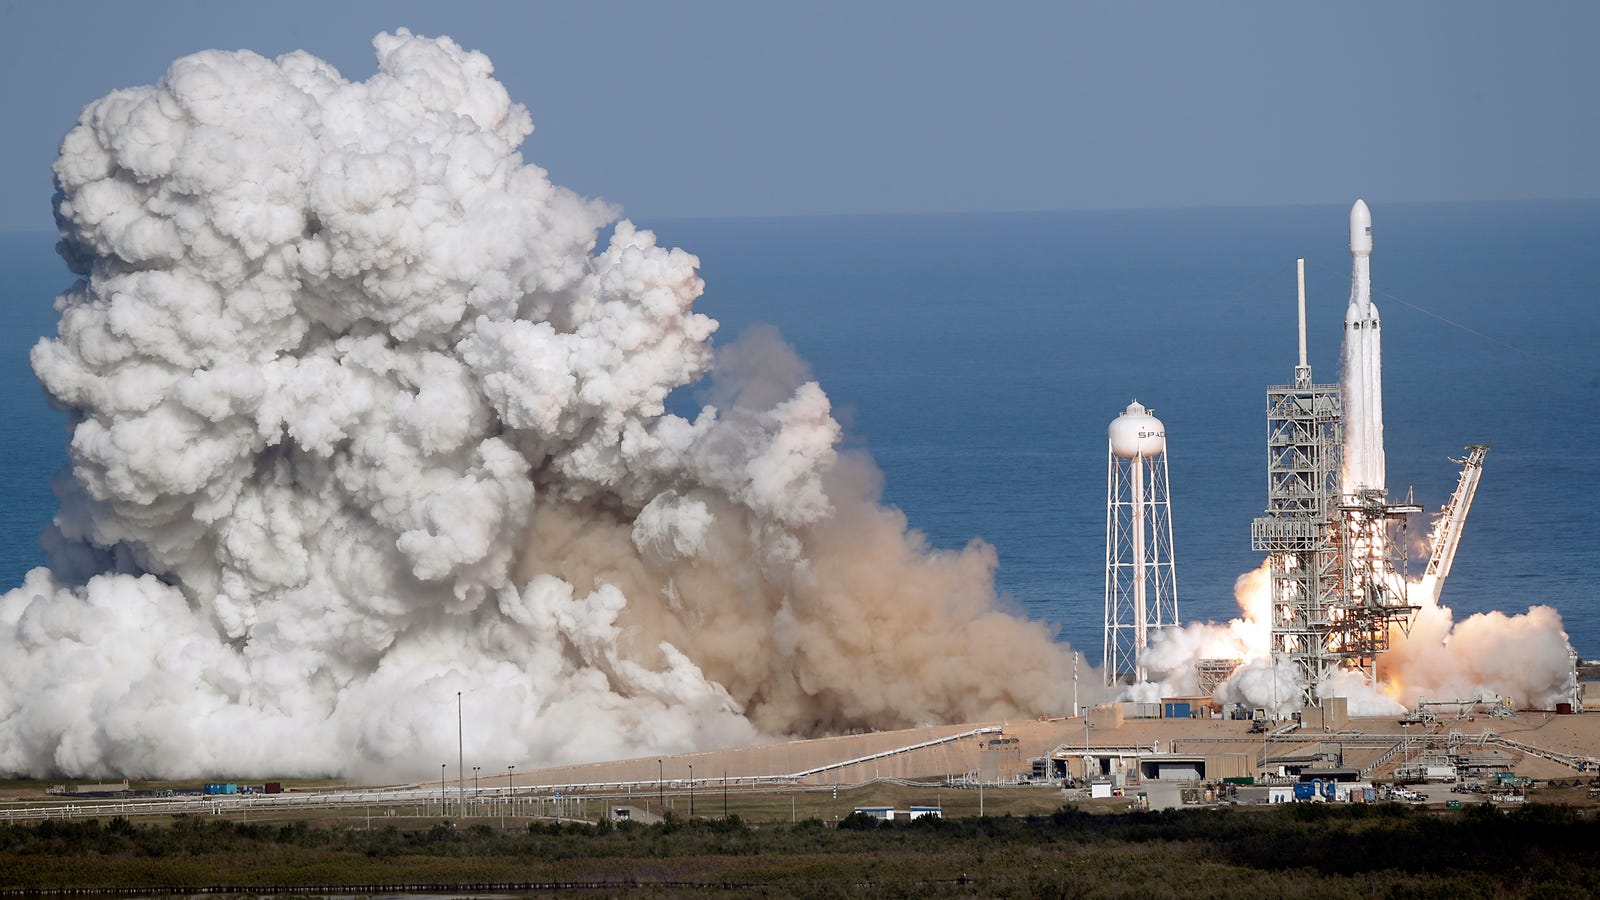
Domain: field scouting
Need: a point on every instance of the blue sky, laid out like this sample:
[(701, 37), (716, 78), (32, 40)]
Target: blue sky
[(724, 108)]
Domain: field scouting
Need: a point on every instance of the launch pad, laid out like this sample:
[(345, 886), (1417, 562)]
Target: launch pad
[(1335, 541)]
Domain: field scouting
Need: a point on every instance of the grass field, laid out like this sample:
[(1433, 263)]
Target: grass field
[(763, 805)]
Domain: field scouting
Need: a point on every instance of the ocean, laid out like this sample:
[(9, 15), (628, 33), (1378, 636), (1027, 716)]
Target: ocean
[(980, 357)]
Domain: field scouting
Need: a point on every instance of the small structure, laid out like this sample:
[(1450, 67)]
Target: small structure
[(1211, 767), (1000, 760), (1196, 706), (881, 813), (1332, 715), (1589, 696), (1137, 710), (1105, 718), (918, 812), (110, 788)]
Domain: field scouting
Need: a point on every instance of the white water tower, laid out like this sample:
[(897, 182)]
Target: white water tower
[(1141, 586)]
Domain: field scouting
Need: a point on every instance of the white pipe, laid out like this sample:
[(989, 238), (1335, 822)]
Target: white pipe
[(1300, 275), (1140, 626)]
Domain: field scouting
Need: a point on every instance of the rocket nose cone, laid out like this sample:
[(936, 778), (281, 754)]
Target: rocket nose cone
[(1360, 228)]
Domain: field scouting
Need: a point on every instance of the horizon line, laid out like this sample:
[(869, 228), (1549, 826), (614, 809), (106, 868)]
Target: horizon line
[(689, 217)]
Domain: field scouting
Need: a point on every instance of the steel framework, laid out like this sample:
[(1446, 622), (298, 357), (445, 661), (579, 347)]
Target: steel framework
[(1372, 535), (1141, 585), (1300, 532), (1447, 535), (1211, 673)]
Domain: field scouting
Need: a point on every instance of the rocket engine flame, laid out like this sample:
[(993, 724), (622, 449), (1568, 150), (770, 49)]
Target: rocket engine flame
[(363, 416), (1525, 657)]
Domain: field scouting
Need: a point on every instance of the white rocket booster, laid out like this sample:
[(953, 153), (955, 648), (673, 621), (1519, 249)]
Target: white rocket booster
[(1363, 366)]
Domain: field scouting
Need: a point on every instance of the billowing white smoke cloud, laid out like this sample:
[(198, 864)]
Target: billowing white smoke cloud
[(363, 417), (1526, 658)]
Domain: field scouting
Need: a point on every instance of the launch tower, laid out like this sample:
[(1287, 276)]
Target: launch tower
[(1300, 532), (1336, 542), (1141, 585)]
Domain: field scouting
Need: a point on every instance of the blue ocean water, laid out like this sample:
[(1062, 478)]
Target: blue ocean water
[(980, 357)]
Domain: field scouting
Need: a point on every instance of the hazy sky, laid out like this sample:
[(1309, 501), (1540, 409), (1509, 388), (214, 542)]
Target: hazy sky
[(710, 109)]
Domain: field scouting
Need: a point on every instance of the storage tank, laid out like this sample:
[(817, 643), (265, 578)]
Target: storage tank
[(1137, 433)]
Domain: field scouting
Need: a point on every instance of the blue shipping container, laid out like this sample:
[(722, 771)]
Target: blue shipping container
[(1175, 711), (222, 789), (1305, 790)]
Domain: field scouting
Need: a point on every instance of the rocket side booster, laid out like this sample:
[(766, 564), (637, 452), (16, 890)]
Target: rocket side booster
[(1363, 366)]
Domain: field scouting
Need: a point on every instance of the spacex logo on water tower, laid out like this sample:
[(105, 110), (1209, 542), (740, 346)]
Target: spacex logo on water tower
[(1141, 590)]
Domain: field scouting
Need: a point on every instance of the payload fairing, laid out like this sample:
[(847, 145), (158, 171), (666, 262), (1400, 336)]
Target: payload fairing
[(1363, 367)]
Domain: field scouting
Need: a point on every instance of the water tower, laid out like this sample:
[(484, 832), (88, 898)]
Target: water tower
[(1141, 586)]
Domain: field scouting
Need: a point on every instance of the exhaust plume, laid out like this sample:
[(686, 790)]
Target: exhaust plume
[(363, 415), (1524, 657)]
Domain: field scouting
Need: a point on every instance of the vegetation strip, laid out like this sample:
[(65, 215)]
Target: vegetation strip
[(1382, 849), (394, 888)]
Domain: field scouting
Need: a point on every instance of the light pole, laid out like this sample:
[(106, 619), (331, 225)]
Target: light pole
[(1086, 749), (661, 794), (724, 793), (691, 792), (441, 788), (509, 770), (461, 760), (476, 790)]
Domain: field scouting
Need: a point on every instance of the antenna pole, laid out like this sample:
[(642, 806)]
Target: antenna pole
[(1302, 372), (1300, 276)]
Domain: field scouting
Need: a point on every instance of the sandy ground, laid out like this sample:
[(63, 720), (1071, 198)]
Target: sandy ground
[(1577, 735)]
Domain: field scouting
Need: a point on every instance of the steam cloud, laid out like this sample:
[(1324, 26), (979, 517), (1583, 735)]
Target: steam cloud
[(1525, 658), (362, 416)]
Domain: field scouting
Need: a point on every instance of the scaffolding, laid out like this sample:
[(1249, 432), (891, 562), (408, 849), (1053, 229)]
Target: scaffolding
[(1447, 534), (1372, 537), (1211, 673)]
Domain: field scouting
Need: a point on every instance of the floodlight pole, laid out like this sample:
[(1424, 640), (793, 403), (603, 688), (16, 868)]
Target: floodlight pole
[(461, 758)]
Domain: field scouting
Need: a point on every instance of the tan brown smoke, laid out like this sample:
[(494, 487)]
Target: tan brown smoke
[(866, 628)]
